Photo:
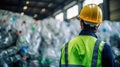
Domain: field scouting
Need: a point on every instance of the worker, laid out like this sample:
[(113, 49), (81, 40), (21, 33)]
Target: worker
[(86, 50)]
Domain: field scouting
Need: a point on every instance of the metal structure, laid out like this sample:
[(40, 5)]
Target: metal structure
[(38, 9)]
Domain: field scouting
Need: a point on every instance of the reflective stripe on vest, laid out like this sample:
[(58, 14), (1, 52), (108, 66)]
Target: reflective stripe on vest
[(94, 56), (70, 65), (66, 54)]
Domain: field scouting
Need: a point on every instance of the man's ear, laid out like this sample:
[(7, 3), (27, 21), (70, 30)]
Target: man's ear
[(96, 28)]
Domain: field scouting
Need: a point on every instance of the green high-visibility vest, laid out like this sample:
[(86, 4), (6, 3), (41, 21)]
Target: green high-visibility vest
[(82, 51)]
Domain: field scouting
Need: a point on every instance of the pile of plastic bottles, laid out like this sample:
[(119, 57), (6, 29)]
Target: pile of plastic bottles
[(19, 39)]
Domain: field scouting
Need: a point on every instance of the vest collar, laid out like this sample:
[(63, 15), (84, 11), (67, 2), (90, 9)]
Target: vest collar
[(88, 32)]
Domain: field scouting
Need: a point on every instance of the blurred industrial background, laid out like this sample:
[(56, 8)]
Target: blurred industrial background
[(32, 31), (40, 9)]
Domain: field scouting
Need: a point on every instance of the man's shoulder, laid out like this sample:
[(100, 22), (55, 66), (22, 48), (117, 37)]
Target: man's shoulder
[(75, 39), (72, 41), (107, 54), (106, 47)]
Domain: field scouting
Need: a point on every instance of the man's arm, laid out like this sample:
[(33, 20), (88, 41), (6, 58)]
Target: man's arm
[(107, 57)]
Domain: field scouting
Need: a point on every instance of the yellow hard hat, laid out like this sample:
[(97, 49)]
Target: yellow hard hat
[(91, 13)]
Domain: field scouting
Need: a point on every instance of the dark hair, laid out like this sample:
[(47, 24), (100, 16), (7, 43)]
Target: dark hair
[(88, 27)]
